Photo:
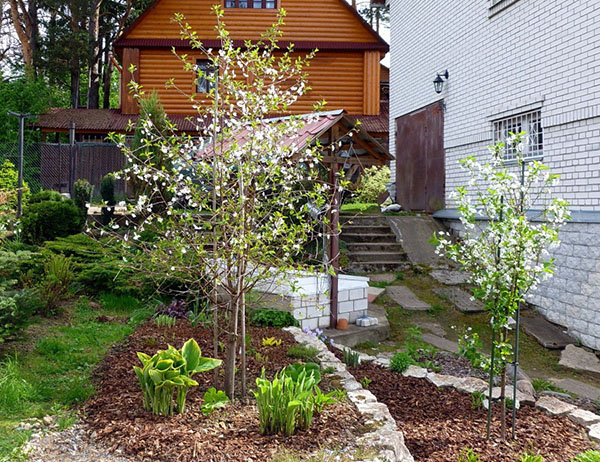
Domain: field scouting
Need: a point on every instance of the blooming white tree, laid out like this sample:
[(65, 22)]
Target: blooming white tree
[(510, 222), (232, 209)]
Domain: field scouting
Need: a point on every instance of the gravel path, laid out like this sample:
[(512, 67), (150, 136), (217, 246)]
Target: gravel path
[(71, 445)]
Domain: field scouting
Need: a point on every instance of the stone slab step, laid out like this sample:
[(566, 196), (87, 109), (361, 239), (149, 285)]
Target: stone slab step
[(580, 359), (364, 220), (375, 247), (374, 292), (450, 277), (371, 237), (578, 388), (461, 299), (547, 334), (373, 267), (367, 229), (441, 343), (404, 297), (366, 257)]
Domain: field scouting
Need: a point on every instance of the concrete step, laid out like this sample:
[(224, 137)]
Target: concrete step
[(366, 229), (375, 247), (378, 266), (371, 237), (364, 220), (355, 334), (367, 257)]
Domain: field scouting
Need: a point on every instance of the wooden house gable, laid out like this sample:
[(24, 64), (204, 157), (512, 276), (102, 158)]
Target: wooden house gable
[(322, 21)]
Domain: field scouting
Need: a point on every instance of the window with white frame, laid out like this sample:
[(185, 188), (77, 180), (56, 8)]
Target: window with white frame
[(531, 124)]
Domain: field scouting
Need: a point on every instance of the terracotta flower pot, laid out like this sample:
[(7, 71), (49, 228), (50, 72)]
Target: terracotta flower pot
[(342, 324)]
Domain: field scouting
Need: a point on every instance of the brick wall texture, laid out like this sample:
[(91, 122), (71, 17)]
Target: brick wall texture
[(523, 55)]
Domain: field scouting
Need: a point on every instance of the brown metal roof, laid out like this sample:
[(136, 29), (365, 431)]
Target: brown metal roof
[(101, 121), (375, 124), (111, 120)]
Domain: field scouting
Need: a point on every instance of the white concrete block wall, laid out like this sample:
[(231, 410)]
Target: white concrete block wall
[(533, 54)]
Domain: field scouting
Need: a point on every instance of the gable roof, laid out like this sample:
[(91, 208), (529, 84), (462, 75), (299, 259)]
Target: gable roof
[(374, 37)]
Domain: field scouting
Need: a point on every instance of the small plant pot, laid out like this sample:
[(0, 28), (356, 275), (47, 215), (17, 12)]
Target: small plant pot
[(342, 324)]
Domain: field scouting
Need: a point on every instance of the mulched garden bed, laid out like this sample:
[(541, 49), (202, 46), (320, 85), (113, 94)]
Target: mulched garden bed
[(439, 423), (116, 416)]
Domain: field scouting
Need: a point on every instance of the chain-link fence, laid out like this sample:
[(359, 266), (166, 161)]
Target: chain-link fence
[(57, 166)]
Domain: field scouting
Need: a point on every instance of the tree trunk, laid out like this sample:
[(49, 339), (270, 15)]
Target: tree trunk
[(75, 78), (107, 79), (24, 29), (232, 343), (95, 56)]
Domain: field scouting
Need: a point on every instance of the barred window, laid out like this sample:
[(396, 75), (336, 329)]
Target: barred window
[(531, 124), (263, 4)]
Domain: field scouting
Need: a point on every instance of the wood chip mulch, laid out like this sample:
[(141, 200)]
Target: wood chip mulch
[(116, 417), (439, 423)]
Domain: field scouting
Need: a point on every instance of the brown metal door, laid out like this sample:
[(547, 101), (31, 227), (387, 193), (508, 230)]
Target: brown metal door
[(420, 163)]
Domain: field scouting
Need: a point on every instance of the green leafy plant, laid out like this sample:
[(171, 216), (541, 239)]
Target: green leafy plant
[(400, 361), (107, 191), (162, 320), (322, 400), (305, 353), (545, 385), (468, 455), (477, 400), (373, 183), (273, 318), (58, 276), (271, 342), (365, 382), (260, 358), (9, 186), (309, 369), (588, 456), (82, 194), (528, 457), (170, 371), (290, 401), (48, 220), (213, 399), (351, 358), (469, 346)]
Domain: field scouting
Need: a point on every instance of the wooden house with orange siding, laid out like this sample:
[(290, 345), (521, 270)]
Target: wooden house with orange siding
[(346, 71)]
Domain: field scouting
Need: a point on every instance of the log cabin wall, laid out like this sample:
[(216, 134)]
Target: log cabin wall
[(345, 72)]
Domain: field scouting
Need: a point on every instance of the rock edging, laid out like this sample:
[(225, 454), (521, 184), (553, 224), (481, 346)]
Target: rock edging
[(385, 435), (525, 394)]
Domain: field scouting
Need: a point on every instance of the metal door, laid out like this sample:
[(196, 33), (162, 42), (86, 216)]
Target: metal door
[(420, 159)]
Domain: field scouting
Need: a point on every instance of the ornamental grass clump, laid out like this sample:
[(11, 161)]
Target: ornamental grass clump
[(168, 372)]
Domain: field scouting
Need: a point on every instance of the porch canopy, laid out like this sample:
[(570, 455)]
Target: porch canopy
[(352, 154)]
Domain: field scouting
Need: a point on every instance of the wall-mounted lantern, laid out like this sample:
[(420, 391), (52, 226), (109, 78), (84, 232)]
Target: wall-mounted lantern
[(438, 83)]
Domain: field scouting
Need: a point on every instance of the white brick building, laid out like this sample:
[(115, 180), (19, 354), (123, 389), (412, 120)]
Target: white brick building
[(510, 63)]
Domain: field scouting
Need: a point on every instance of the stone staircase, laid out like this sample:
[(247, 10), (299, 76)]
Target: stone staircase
[(372, 246)]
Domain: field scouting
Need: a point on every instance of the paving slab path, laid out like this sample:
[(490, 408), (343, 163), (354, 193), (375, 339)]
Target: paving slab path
[(578, 388), (547, 334), (404, 297), (450, 277), (461, 299)]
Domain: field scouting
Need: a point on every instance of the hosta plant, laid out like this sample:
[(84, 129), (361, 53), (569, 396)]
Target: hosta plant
[(168, 372), (310, 369)]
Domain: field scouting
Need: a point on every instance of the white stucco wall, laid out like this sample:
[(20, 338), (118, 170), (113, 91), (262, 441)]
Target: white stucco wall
[(530, 54)]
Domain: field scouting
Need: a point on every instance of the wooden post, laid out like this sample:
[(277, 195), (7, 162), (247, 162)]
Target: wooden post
[(334, 251)]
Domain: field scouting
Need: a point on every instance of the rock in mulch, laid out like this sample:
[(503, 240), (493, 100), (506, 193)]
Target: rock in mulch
[(461, 299), (450, 277), (595, 433), (71, 445), (554, 406), (404, 297), (584, 418), (579, 359)]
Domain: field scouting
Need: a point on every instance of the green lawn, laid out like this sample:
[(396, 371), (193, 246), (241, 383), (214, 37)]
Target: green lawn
[(49, 371)]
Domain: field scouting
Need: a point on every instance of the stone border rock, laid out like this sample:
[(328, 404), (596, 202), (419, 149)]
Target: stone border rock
[(384, 435), (525, 394)]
